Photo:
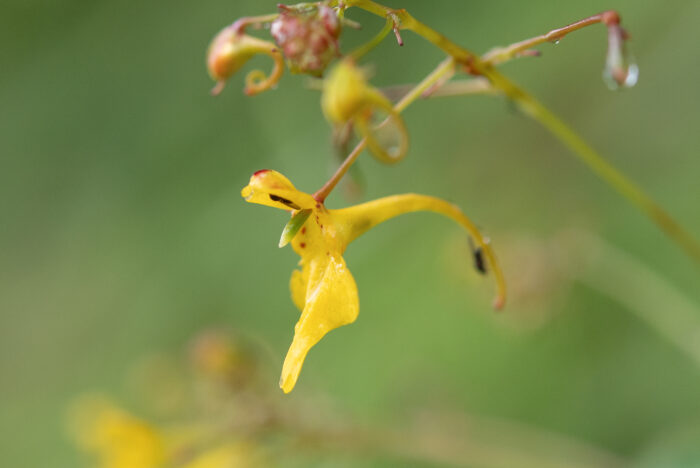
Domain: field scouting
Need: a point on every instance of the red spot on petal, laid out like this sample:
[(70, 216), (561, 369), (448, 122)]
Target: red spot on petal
[(261, 171), (303, 230), (318, 205), (302, 245)]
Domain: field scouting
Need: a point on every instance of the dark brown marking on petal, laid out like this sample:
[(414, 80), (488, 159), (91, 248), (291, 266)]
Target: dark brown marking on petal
[(284, 201), (302, 244), (303, 230)]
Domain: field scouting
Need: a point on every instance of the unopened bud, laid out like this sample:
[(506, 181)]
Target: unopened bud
[(308, 39), (620, 69), (347, 97), (345, 92), (231, 49)]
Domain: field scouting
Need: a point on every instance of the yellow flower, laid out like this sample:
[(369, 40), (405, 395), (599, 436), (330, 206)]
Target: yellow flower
[(115, 437), (347, 98), (323, 289), (231, 49)]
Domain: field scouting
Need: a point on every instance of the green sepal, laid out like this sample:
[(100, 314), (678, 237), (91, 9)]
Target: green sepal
[(293, 226)]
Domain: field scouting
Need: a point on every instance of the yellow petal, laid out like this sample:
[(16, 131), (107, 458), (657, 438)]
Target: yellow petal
[(360, 218), (344, 92), (297, 285), (331, 302), (271, 188)]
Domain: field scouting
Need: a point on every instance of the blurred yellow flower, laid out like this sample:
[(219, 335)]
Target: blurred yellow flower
[(116, 438), (348, 98), (323, 289)]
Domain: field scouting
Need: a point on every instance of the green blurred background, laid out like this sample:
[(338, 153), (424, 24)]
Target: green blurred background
[(123, 232)]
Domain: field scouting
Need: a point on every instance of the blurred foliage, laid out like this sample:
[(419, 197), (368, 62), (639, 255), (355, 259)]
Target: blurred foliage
[(123, 231)]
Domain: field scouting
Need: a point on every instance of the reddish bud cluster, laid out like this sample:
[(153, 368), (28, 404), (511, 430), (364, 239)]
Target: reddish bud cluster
[(309, 40)]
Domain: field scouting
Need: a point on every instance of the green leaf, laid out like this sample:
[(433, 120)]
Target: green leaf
[(293, 226)]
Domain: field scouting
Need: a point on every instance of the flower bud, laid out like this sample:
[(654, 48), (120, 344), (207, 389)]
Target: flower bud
[(309, 40), (231, 49), (345, 92), (620, 69), (347, 97)]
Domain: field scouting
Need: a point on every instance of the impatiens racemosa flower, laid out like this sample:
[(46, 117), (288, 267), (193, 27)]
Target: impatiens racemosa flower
[(324, 289), (116, 438), (348, 98), (231, 49)]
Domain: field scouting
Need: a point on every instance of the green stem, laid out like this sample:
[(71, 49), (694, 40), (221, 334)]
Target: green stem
[(376, 40), (443, 70), (466, 87), (606, 171), (450, 440)]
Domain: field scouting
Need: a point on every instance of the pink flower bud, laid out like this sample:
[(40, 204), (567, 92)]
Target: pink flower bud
[(309, 40)]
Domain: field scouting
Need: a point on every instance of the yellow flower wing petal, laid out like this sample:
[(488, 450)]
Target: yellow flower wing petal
[(297, 285), (331, 302), (270, 188)]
